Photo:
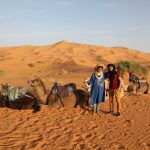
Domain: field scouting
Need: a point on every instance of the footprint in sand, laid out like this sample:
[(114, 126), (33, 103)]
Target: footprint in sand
[(146, 146), (67, 130), (76, 118), (117, 146), (54, 136), (76, 138), (68, 121), (62, 148), (101, 136), (42, 145), (96, 147), (54, 127), (128, 122), (88, 136), (62, 110), (81, 146), (92, 127), (87, 113)]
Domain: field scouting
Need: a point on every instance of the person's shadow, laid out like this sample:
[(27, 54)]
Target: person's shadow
[(104, 111)]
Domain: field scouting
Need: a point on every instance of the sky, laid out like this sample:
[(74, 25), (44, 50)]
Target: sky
[(100, 22)]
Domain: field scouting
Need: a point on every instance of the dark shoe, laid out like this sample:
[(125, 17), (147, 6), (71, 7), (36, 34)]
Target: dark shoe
[(118, 114)]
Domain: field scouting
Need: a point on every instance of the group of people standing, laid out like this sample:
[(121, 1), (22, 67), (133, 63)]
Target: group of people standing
[(97, 82)]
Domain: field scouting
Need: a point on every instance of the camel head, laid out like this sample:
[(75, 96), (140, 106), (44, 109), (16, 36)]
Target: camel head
[(5, 89), (86, 84), (34, 82)]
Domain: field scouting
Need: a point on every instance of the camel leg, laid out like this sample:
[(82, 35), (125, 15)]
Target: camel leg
[(77, 101), (75, 105), (87, 103), (59, 99), (36, 106)]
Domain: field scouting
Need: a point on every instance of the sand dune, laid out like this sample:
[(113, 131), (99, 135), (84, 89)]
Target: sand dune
[(70, 128), (32, 61)]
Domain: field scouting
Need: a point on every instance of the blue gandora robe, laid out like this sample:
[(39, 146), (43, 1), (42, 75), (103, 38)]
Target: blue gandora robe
[(97, 89)]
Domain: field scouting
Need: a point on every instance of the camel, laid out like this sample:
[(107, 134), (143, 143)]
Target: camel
[(80, 97), (25, 101), (137, 85), (55, 95)]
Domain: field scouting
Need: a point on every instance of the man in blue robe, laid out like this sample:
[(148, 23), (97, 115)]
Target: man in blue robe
[(97, 81)]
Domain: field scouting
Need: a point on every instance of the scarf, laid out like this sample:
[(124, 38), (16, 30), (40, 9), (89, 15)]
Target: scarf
[(98, 75)]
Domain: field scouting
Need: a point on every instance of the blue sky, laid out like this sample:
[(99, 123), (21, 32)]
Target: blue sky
[(101, 22)]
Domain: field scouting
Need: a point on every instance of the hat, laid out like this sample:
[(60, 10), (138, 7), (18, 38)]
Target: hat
[(100, 65), (111, 65)]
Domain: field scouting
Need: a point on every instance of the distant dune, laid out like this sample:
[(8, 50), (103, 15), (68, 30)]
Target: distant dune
[(24, 62)]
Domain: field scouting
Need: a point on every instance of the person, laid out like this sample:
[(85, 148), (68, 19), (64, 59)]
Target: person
[(97, 81), (133, 77), (114, 88)]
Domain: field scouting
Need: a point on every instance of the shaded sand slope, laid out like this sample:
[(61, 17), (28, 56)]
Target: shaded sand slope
[(67, 128)]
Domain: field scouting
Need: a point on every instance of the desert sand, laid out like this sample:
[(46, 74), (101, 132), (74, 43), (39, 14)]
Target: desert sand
[(71, 128)]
